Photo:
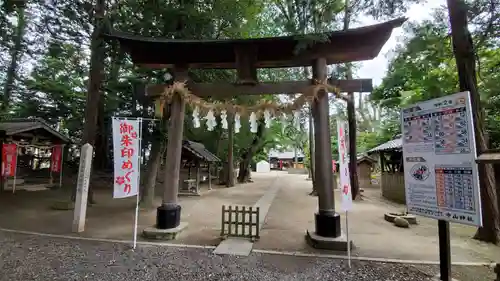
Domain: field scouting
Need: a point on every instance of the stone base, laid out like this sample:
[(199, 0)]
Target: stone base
[(63, 205), (163, 234), (438, 278), (327, 224), (185, 193), (168, 216), (335, 244), (235, 247)]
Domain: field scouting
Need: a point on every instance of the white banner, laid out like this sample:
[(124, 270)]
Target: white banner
[(126, 136), (345, 180)]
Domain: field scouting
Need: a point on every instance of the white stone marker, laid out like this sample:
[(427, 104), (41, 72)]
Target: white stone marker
[(82, 188)]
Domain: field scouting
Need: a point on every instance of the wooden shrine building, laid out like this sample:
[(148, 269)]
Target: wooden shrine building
[(246, 56)]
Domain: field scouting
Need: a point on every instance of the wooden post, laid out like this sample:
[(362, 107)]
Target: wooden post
[(497, 271), (230, 153), (327, 222), (353, 159), (169, 213), (198, 172), (2, 139), (209, 176)]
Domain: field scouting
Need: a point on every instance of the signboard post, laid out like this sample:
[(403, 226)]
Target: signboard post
[(127, 168), (345, 180), (441, 177)]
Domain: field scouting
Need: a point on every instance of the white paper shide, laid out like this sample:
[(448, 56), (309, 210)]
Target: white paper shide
[(126, 157), (345, 180)]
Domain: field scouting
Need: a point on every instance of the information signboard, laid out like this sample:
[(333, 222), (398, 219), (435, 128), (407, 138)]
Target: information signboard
[(439, 152)]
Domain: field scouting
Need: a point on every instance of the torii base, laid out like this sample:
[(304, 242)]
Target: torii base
[(328, 234)]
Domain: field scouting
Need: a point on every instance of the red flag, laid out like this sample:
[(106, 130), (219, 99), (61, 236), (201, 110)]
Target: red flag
[(56, 159), (9, 159)]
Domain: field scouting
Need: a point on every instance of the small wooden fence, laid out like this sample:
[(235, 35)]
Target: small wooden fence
[(240, 221)]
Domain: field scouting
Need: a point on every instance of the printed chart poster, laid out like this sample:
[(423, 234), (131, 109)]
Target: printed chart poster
[(9, 159), (439, 151), (126, 157), (345, 180)]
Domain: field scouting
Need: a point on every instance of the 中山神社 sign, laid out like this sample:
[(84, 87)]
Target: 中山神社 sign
[(126, 157)]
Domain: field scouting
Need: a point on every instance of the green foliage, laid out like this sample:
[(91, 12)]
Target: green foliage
[(423, 67), (57, 87)]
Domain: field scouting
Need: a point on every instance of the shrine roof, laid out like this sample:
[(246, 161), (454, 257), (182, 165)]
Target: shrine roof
[(356, 44), (392, 145), (199, 150), (32, 127)]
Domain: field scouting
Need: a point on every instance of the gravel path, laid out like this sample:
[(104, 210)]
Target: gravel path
[(26, 257)]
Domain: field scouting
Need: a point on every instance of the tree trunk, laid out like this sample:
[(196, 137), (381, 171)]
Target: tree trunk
[(314, 192), (96, 71), (158, 148), (466, 65), (101, 149), (15, 55), (353, 167), (148, 189), (244, 172)]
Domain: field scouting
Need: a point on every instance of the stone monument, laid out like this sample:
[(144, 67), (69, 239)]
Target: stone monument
[(82, 188)]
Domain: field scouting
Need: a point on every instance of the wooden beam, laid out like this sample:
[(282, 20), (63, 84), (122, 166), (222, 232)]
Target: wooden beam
[(221, 90), (246, 58)]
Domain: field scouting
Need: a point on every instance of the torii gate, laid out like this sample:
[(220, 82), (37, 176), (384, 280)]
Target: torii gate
[(246, 55)]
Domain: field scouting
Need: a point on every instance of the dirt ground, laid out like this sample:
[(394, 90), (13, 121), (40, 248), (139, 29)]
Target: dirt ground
[(291, 213)]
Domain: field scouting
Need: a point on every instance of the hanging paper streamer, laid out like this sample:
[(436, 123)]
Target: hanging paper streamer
[(196, 117), (253, 122), (223, 117), (211, 122), (296, 121), (267, 118), (237, 123)]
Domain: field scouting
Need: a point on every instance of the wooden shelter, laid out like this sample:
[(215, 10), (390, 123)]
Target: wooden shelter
[(246, 56), (195, 155), (365, 167), (391, 169), (34, 138)]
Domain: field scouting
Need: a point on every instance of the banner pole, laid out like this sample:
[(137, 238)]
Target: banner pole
[(138, 184), (61, 166), (15, 170), (348, 241)]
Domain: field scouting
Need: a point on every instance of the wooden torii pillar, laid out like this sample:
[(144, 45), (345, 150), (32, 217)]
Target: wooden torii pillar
[(247, 55)]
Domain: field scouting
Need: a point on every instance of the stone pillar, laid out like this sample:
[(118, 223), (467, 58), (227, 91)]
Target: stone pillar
[(82, 188), (327, 221), (168, 215)]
